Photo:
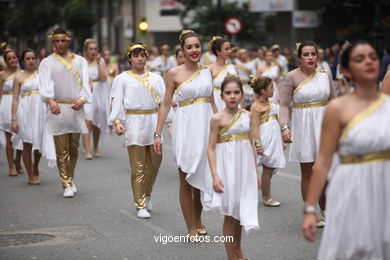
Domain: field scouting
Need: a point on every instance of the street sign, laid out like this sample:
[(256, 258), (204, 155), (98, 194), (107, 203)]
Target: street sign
[(233, 25)]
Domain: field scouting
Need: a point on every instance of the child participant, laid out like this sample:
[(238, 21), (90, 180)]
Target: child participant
[(266, 132), (231, 155)]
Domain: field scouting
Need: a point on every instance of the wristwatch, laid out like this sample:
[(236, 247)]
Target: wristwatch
[(309, 209)]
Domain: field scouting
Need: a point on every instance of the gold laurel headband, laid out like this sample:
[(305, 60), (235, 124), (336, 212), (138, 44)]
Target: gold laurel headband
[(297, 46), (211, 42), (136, 46), (89, 40), (184, 33), (66, 35), (253, 80)]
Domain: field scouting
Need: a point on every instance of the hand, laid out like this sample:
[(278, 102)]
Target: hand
[(174, 103), (157, 145), (286, 136), (77, 104), (14, 126), (309, 227), (54, 107), (217, 184), (260, 150), (119, 129)]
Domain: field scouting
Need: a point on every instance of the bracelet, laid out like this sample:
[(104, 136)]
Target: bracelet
[(285, 127), (169, 124), (156, 135), (117, 122), (82, 99), (258, 143), (13, 119), (309, 209)]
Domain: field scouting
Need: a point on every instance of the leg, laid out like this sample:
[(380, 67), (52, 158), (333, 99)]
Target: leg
[(137, 156), (37, 158), (62, 145), (266, 183), (237, 239), (74, 153), (96, 137), (27, 160), (186, 203), (306, 170), (86, 141), (153, 162), (229, 230), (18, 165), (197, 211), (10, 154)]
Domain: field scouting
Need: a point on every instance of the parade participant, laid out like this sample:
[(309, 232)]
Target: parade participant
[(112, 69), (3, 47), (291, 62), (266, 132), (322, 63), (280, 60), (356, 127), (260, 57), (138, 92), (245, 68), (309, 89), (231, 156), (208, 57), (41, 55), (28, 117), (271, 69), (6, 86), (96, 113), (192, 85), (221, 68), (160, 64), (64, 84), (172, 60)]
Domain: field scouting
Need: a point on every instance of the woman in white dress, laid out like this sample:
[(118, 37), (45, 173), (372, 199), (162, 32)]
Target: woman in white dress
[(246, 68), (309, 89), (356, 127), (271, 70), (192, 85), (231, 155), (29, 117), (112, 69), (266, 132), (96, 113), (221, 68), (6, 85)]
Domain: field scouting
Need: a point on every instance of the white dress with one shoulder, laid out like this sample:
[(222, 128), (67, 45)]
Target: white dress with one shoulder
[(191, 127), (273, 73), (6, 103), (228, 69), (358, 195), (236, 167)]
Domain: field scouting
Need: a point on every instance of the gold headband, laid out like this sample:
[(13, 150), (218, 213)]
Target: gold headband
[(253, 80), (184, 33), (66, 35), (211, 42), (136, 46), (165, 46), (241, 51), (89, 40)]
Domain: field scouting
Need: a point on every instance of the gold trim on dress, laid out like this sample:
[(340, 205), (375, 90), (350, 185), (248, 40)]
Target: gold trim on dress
[(11, 76), (95, 80), (243, 68), (304, 83), (68, 65), (268, 118), (141, 111), (222, 70), (198, 100), (311, 104), (232, 138), (63, 101), (145, 82), (193, 76), (217, 89), (229, 125), (9, 92), (362, 115), (29, 77), (365, 158), (28, 93)]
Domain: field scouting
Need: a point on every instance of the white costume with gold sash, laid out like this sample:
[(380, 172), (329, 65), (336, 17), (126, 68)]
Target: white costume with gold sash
[(306, 121), (58, 82), (6, 103), (358, 196), (191, 126), (228, 69), (271, 139), (236, 167), (131, 94), (245, 70), (273, 73), (207, 58), (160, 65)]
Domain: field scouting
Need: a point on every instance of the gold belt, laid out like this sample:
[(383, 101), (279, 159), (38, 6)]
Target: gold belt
[(141, 112), (8, 92), (232, 137), (216, 89), (310, 104), (28, 93), (95, 80), (63, 101), (268, 118), (365, 158), (191, 101)]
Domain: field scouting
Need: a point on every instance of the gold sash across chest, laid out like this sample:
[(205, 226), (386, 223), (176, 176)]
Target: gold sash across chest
[(68, 65), (365, 158), (145, 82), (28, 93)]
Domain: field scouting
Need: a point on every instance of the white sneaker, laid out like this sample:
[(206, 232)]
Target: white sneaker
[(68, 193), (148, 202), (143, 213), (74, 189)]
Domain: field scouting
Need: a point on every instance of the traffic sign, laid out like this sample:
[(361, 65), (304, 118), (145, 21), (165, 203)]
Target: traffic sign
[(233, 25)]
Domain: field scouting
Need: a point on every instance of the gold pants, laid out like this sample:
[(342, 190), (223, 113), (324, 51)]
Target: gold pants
[(144, 163), (67, 152)]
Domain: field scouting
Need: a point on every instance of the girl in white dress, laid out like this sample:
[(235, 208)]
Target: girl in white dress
[(192, 85), (356, 127), (309, 90), (221, 68), (6, 85), (231, 155), (271, 70), (29, 113), (96, 113), (266, 132)]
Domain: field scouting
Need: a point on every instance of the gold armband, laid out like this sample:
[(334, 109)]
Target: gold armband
[(82, 99), (117, 122)]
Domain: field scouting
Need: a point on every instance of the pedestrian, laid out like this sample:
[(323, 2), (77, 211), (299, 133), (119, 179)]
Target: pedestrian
[(266, 133), (138, 92), (28, 117), (280, 59), (192, 85), (356, 128), (6, 91), (112, 69), (231, 155), (309, 89), (221, 68), (64, 85), (272, 70), (245, 68)]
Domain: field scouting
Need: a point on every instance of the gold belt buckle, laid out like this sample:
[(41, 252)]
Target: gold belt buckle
[(193, 101)]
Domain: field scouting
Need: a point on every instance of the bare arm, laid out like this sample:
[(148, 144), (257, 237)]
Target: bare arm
[(15, 103), (286, 94), (255, 126), (101, 68), (213, 137), (386, 83)]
